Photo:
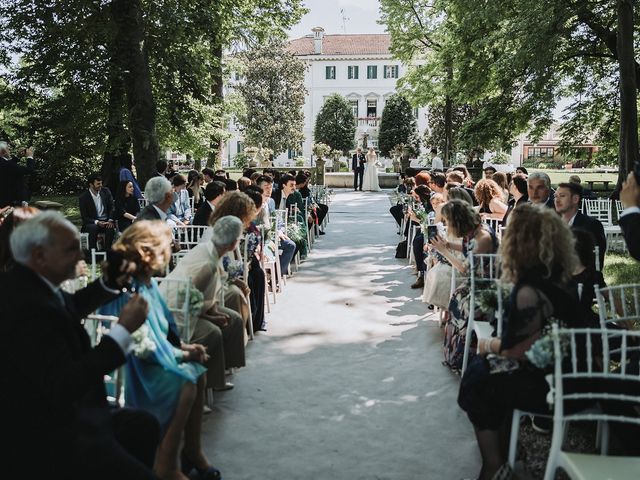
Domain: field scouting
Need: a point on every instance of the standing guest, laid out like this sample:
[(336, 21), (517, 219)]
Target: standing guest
[(97, 212), (127, 206), (208, 175), (12, 219), (195, 190), (159, 194), (630, 217), (518, 191), (567, 201), (221, 173), (539, 189), (436, 161), (420, 194), (489, 170), (468, 180), (61, 410), (501, 180), (218, 328), (357, 167), (161, 168), (167, 381), (213, 194), (522, 171), (180, 210), (13, 189), (126, 174), (491, 199), (230, 184), (171, 171)]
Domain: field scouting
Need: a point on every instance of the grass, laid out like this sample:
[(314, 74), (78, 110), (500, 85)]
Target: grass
[(70, 208), (620, 269)]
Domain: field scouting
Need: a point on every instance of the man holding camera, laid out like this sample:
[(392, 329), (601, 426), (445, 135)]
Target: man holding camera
[(13, 190), (630, 217)]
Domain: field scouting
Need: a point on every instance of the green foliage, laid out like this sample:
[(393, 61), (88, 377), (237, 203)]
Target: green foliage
[(273, 93), (336, 124), (241, 161), (397, 126), (620, 269)]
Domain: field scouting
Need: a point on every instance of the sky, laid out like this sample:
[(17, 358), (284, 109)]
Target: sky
[(361, 17)]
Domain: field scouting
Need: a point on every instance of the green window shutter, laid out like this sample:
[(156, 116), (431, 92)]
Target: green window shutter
[(395, 71), (330, 73), (355, 72)]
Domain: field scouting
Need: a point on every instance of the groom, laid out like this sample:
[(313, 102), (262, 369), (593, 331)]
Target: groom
[(357, 166)]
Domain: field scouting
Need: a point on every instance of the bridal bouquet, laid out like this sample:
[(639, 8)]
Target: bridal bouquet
[(141, 344)]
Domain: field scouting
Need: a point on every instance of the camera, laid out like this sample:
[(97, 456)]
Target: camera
[(432, 232)]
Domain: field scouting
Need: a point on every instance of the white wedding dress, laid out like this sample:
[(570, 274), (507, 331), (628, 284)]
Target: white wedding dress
[(370, 181)]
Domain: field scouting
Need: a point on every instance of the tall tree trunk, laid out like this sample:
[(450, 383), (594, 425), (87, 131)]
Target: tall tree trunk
[(628, 149), (448, 121), (134, 62), (216, 148), (118, 140)]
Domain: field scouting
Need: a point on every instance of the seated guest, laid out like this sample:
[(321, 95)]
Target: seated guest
[(159, 194), (585, 276), (454, 176), (522, 171), (243, 183), (489, 171), (208, 174), (180, 211), (630, 217), (467, 179), (287, 245), (247, 172), (168, 380), (423, 178), (318, 210), (213, 193), (61, 410), (287, 198), (126, 174), (97, 212), (437, 182), (161, 168), (195, 189), (503, 183), (229, 185), (519, 196), (127, 205), (539, 258), (218, 328), (221, 173), (254, 177), (567, 201), (490, 199), (539, 189), (14, 217)]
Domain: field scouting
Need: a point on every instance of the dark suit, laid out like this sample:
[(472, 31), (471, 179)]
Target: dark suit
[(630, 225), (357, 166), (54, 404), (148, 213), (89, 216), (202, 214), (13, 189), (595, 228)]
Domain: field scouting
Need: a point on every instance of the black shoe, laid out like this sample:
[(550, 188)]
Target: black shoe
[(419, 283), (187, 466), (227, 386), (542, 425), (322, 233)]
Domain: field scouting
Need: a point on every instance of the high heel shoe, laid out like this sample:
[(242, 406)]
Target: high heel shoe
[(209, 473)]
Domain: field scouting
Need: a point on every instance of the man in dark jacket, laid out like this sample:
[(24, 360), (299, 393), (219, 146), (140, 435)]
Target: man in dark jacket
[(357, 167), (159, 194), (13, 190), (54, 402), (213, 193), (97, 212)]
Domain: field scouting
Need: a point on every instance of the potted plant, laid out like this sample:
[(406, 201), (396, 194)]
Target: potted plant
[(251, 153)]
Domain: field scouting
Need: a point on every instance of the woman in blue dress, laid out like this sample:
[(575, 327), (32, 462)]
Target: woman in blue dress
[(163, 375)]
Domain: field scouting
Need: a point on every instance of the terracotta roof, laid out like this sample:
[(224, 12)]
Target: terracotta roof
[(364, 44)]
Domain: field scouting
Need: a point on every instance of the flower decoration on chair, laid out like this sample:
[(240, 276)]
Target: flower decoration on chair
[(295, 232), (196, 300), (235, 270), (540, 354), (142, 345)]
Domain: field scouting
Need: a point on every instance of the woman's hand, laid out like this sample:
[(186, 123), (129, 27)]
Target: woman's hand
[(440, 244), (194, 352), (242, 286)]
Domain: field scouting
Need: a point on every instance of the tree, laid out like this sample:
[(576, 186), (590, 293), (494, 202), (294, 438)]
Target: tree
[(273, 93), (397, 126), (336, 124)]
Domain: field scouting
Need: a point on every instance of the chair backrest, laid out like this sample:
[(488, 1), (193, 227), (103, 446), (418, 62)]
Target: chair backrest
[(570, 347), (143, 202), (619, 304), (97, 326), (599, 208), (190, 235), (281, 219), (494, 223), (619, 208), (486, 267), (177, 295), (96, 257)]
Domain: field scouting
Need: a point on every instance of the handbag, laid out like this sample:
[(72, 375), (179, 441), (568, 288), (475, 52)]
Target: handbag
[(401, 249)]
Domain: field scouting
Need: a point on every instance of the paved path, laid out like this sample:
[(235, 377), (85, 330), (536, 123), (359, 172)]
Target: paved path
[(347, 383)]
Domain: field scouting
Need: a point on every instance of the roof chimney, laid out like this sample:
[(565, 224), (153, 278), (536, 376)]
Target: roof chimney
[(318, 35)]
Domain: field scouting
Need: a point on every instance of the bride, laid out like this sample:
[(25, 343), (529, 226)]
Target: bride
[(370, 182)]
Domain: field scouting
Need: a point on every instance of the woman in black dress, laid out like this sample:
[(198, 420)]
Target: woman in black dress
[(127, 205)]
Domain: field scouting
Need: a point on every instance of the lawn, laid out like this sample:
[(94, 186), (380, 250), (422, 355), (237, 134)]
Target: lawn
[(70, 207), (620, 269)]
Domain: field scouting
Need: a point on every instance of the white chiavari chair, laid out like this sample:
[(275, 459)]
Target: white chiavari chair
[(177, 295), (191, 235), (97, 326), (96, 258), (599, 208)]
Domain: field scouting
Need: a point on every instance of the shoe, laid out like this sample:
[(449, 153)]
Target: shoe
[(210, 473), (542, 425), (419, 283), (227, 386), (430, 307), (322, 233)]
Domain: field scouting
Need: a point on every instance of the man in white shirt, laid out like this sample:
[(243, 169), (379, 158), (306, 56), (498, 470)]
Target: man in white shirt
[(97, 212), (436, 161)]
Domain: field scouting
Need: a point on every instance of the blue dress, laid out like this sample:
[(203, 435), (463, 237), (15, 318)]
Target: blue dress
[(154, 383)]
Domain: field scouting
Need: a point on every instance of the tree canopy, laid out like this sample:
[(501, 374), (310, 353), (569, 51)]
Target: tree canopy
[(397, 126), (336, 124)]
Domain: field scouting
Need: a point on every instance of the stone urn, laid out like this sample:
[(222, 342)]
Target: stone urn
[(320, 169)]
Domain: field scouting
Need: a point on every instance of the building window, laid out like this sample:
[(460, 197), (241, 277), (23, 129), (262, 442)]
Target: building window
[(540, 152), (372, 108), (354, 107), (352, 72), (239, 147), (372, 71), (391, 71), (330, 73)]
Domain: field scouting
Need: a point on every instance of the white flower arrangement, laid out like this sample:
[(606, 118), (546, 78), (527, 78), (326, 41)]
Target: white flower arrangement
[(540, 354), (235, 270), (142, 345)]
